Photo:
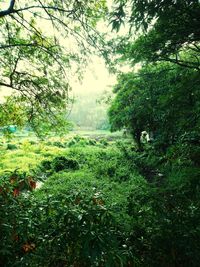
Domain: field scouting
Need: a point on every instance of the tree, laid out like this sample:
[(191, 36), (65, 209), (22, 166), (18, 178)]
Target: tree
[(164, 38), (166, 30), (162, 100), (41, 42), (89, 112)]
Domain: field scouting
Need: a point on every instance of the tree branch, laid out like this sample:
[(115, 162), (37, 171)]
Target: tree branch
[(14, 70), (3, 46), (182, 63), (5, 84), (9, 10)]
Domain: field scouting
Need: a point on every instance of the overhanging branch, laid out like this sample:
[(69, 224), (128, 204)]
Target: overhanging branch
[(9, 10)]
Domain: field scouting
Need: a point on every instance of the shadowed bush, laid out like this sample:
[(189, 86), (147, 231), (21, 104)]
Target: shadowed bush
[(59, 163)]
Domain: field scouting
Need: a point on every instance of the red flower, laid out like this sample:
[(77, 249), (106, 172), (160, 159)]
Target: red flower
[(32, 184), (16, 192)]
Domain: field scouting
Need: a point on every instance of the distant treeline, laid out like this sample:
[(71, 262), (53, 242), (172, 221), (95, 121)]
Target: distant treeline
[(89, 112)]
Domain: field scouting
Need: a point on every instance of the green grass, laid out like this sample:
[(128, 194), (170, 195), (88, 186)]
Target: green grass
[(27, 156), (29, 151)]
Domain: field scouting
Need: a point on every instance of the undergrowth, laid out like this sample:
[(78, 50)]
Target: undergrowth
[(98, 204)]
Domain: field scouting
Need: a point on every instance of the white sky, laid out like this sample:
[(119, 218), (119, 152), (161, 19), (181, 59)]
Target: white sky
[(96, 78)]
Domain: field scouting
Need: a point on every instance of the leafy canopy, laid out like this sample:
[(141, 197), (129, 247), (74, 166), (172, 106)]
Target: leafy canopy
[(44, 43), (163, 97), (165, 30), (162, 100)]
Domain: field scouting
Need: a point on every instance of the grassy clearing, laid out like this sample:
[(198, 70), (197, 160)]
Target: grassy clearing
[(25, 151), (25, 155)]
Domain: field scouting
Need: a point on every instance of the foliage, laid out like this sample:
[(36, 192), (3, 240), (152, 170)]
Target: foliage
[(81, 229), (11, 112), (26, 156), (162, 100), (165, 222), (59, 163), (13, 201), (161, 97), (106, 204), (35, 61), (165, 31), (186, 152), (104, 213), (11, 146)]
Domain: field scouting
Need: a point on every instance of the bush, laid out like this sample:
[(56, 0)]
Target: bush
[(104, 162), (72, 222), (72, 142), (92, 142), (14, 204), (165, 223), (103, 142), (61, 163), (45, 165), (58, 144), (186, 152), (101, 212), (11, 147)]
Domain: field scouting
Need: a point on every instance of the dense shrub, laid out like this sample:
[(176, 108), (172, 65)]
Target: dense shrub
[(186, 152), (11, 146), (59, 163), (96, 209), (14, 220), (79, 141), (165, 228), (92, 142), (71, 143), (148, 163), (107, 162), (45, 165), (73, 221), (59, 144), (103, 141)]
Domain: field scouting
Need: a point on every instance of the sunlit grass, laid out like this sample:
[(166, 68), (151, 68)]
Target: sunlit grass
[(26, 157), (25, 152)]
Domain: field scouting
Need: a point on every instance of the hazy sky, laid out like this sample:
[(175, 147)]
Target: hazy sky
[(95, 78)]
